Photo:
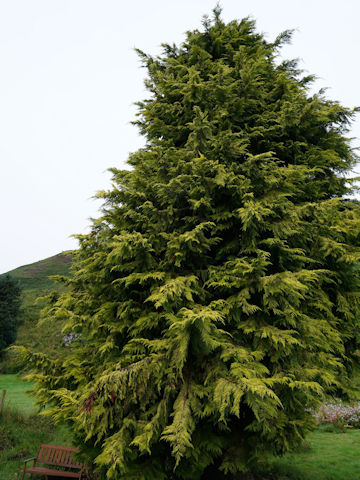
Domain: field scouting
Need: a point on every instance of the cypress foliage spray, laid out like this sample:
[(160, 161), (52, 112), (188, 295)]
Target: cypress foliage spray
[(217, 298)]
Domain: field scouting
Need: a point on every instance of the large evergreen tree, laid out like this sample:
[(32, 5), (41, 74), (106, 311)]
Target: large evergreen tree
[(9, 310), (217, 298)]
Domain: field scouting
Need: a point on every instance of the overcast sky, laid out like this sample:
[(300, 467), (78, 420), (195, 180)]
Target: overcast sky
[(69, 78)]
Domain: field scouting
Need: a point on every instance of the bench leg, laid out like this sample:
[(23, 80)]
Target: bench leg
[(23, 475)]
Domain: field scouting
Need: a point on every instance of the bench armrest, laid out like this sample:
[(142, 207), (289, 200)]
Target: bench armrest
[(29, 459)]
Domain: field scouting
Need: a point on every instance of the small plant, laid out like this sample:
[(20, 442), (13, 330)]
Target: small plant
[(69, 338)]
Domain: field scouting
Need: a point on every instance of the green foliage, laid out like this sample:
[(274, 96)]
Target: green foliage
[(9, 310), (217, 298)]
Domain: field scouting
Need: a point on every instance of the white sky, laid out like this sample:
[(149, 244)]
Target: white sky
[(69, 78)]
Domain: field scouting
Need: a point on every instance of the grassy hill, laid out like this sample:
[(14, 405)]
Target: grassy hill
[(35, 282), (36, 275)]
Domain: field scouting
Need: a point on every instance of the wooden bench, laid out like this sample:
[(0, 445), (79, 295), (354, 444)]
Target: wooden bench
[(56, 456)]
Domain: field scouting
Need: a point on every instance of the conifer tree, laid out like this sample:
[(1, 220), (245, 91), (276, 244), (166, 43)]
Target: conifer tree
[(216, 300), (9, 310)]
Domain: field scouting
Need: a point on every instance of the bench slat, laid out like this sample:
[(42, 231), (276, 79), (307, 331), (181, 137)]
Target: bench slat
[(58, 455), (51, 472), (64, 456), (42, 453)]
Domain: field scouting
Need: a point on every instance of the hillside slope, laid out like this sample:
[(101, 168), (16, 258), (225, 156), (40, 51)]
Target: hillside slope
[(35, 276), (35, 283)]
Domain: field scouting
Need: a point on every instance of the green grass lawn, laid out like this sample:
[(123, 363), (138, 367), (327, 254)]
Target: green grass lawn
[(16, 394), (329, 456)]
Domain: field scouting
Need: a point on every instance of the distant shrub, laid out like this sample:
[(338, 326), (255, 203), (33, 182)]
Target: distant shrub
[(339, 415)]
